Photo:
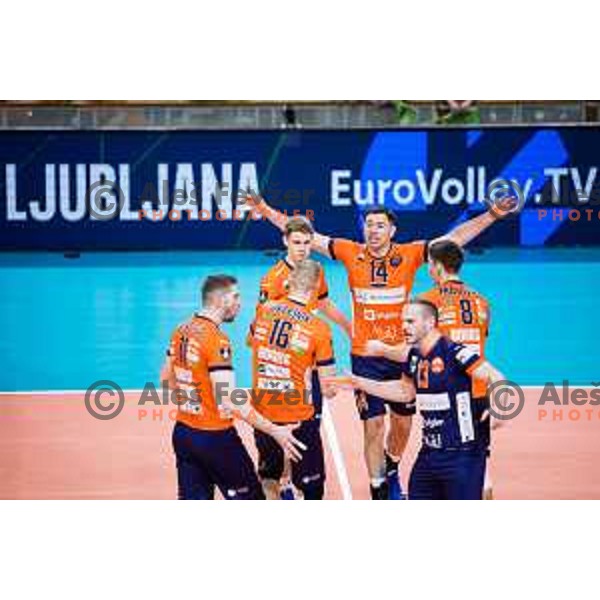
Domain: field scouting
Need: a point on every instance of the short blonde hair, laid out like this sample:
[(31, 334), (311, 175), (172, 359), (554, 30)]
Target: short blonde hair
[(305, 276)]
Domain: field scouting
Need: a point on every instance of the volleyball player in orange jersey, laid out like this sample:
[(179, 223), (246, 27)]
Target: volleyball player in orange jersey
[(208, 449), (289, 344), (297, 239), (380, 277)]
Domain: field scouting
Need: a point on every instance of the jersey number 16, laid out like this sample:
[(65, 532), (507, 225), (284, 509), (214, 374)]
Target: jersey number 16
[(280, 333)]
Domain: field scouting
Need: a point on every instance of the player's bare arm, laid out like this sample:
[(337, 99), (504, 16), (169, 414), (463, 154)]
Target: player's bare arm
[(167, 373), (397, 353), (333, 313), (468, 231), (320, 243), (223, 382), (488, 373), (401, 390), (327, 380)]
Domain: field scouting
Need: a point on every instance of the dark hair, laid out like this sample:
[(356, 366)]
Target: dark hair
[(448, 253), (214, 283), (381, 210), (430, 308), (298, 225)]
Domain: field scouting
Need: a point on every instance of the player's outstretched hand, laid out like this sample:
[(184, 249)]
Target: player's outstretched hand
[(290, 445)]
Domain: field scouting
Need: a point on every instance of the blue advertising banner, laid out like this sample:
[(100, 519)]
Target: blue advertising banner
[(179, 189)]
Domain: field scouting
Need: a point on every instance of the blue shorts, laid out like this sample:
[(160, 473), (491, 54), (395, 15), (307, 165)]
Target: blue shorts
[(448, 475), (309, 471), (206, 459), (317, 395), (381, 369)]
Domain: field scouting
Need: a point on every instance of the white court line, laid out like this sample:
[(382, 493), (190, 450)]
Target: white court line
[(336, 451)]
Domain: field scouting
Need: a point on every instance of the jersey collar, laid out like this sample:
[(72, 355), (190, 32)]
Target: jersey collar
[(289, 265), (197, 315), (297, 302), (384, 257)]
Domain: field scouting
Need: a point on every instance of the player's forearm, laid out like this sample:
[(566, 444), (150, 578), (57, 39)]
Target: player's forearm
[(167, 374), (393, 391), (466, 232), (488, 373), (273, 216), (241, 407), (332, 312), (397, 353), (327, 376), (256, 420)]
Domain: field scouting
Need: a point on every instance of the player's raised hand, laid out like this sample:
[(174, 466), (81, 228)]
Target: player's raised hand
[(251, 198), (504, 206), (290, 445)]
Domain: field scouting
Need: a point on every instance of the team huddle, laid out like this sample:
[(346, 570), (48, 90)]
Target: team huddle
[(422, 354)]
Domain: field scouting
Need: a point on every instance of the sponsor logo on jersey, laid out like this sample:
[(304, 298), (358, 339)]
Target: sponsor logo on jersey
[(395, 295), (273, 356), (273, 370), (465, 334), (280, 385), (299, 341), (437, 365), (183, 375)]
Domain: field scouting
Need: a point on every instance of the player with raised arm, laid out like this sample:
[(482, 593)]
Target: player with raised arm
[(454, 449), (380, 276), (208, 449), (288, 343)]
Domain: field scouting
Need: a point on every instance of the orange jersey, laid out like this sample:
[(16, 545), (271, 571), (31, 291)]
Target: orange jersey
[(464, 318), (197, 348), (274, 285), (288, 342), (380, 287)]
